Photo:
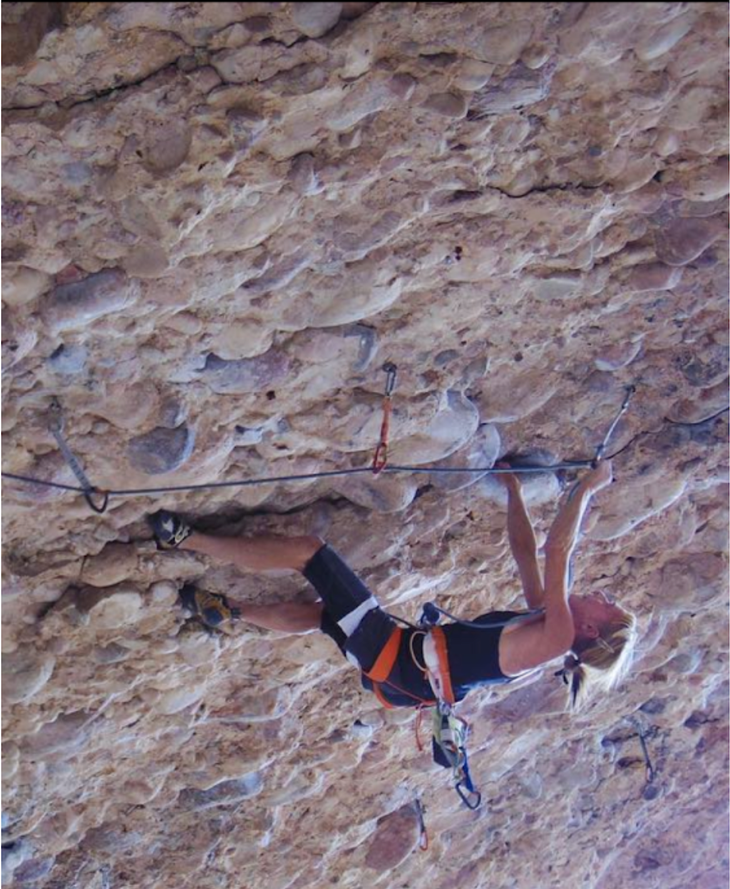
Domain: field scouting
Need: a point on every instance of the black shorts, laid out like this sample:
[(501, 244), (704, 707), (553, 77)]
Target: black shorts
[(342, 592)]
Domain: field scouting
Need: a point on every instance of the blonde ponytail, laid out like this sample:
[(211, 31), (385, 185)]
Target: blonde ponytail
[(603, 662)]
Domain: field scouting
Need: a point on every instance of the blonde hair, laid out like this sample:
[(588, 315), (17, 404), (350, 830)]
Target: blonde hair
[(603, 662)]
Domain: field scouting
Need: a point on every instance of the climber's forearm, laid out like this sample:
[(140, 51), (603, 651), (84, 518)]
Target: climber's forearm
[(563, 535), (524, 548)]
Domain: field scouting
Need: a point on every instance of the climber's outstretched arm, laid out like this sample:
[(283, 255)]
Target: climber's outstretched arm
[(561, 542), (522, 542), (537, 642), (563, 535)]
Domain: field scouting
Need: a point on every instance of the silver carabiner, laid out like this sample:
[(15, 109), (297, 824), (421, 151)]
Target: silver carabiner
[(55, 416), (392, 371)]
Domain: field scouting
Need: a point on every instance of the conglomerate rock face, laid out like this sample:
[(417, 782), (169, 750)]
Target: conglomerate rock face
[(219, 221)]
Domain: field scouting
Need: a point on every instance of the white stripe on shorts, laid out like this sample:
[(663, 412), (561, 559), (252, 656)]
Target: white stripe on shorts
[(350, 622)]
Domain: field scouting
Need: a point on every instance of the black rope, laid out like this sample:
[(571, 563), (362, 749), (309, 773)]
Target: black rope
[(309, 476), (39, 481), (333, 473), (698, 422)]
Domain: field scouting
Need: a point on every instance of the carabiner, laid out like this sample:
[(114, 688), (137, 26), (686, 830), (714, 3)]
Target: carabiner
[(601, 449), (423, 838), (105, 494), (392, 371), (55, 416), (466, 794), (380, 459)]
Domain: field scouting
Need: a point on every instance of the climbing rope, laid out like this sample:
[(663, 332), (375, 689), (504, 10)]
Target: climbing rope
[(378, 466), (307, 476)]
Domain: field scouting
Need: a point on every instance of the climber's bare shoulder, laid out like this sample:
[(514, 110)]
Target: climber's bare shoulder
[(528, 642)]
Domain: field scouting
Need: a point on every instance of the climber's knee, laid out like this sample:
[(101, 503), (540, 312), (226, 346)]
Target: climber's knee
[(307, 548)]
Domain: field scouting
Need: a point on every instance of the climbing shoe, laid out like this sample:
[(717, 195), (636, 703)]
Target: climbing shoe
[(211, 608), (169, 529)]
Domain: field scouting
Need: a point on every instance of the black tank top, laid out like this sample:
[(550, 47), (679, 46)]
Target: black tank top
[(474, 653)]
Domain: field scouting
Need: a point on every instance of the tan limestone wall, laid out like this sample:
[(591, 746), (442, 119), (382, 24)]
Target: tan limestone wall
[(219, 220)]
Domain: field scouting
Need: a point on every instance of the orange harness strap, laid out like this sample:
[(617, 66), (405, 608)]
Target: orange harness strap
[(383, 665), (378, 689), (382, 668)]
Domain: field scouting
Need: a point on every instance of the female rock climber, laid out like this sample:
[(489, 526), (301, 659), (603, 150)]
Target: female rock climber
[(595, 636)]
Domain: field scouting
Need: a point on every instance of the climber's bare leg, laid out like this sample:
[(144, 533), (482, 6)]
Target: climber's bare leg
[(266, 553), (263, 553), (287, 617)]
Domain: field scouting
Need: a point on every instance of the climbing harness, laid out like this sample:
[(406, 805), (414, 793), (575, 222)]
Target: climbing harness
[(449, 732), (380, 672), (380, 458), (55, 427)]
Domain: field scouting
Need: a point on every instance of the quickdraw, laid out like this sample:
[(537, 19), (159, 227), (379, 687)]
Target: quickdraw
[(55, 427), (423, 837), (601, 449), (379, 463), (449, 750), (380, 458)]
